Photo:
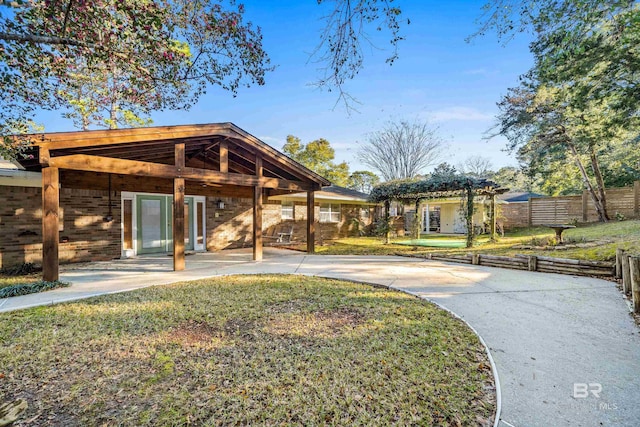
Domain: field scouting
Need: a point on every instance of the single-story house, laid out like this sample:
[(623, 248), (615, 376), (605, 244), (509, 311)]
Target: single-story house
[(105, 194)]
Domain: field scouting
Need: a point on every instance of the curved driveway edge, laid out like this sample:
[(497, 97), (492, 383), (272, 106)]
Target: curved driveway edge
[(566, 350)]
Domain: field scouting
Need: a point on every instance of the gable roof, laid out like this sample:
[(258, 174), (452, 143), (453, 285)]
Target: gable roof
[(331, 193), (517, 196), (156, 144)]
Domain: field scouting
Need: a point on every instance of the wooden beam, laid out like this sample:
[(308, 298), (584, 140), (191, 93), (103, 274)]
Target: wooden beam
[(89, 163), (179, 155), (311, 225), (257, 223), (224, 157), (50, 223), (178, 224), (44, 156), (259, 168), (493, 218)]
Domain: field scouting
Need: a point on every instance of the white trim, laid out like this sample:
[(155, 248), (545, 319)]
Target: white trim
[(20, 178), (130, 195)]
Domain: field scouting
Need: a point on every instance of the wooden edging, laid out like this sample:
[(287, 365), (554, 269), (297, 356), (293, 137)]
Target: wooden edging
[(626, 268), (530, 263)]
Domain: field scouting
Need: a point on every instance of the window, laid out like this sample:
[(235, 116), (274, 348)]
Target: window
[(286, 211), (364, 213), (329, 212)]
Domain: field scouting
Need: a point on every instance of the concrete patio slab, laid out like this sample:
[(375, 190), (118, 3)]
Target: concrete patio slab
[(566, 349)]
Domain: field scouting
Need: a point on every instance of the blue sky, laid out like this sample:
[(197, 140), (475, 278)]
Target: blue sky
[(438, 77)]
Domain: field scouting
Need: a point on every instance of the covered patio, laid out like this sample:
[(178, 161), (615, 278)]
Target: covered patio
[(215, 160)]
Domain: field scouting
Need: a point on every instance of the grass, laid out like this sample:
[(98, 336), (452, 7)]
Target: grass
[(597, 241), (246, 350)]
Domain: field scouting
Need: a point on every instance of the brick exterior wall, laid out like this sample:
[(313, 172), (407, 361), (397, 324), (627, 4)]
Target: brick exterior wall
[(92, 239), (81, 222)]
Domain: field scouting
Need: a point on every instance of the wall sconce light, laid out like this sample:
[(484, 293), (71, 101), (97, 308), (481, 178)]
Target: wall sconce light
[(220, 204)]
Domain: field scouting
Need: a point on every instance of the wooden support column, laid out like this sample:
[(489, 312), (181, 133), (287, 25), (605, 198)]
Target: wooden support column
[(178, 212), (50, 223), (257, 223), (224, 157), (634, 263), (493, 219), (257, 214), (585, 206), (311, 222)]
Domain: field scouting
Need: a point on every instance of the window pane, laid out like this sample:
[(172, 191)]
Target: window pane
[(200, 223), (287, 210)]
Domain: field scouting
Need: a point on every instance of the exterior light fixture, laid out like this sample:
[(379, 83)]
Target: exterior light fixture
[(220, 204)]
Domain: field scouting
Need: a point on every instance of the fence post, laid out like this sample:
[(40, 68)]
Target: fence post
[(532, 263), (619, 255), (585, 206), (626, 275), (636, 199), (530, 215), (635, 283), (475, 259)]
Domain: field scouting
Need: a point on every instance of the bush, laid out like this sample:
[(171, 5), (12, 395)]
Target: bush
[(19, 269), (30, 288)]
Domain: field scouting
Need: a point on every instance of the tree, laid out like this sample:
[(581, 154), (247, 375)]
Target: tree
[(515, 179), (444, 171), (363, 181), (318, 156), (401, 149), (340, 48), (476, 166), (580, 98), (167, 51)]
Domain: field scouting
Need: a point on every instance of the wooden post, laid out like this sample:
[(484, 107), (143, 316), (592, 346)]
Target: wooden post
[(634, 263), (532, 263), (626, 275), (585, 206), (530, 212), (311, 225), (50, 223), (178, 224), (387, 234), (619, 254), (178, 211), (257, 213), (492, 219), (224, 157), (636, 199), (475, 259), (257, 223)]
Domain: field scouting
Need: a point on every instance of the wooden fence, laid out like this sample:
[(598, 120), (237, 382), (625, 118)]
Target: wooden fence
[(534, 263), (566, 209)]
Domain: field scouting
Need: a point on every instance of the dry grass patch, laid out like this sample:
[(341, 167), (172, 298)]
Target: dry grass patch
[(246, 350)]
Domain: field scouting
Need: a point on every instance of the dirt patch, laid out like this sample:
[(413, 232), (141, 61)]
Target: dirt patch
[(193, 333), (320, 324)]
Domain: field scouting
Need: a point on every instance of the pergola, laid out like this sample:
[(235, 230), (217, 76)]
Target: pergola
[(415, 191), (210, 159)]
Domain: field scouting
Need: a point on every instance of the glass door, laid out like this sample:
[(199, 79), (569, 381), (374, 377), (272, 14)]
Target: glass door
[(151, 218)]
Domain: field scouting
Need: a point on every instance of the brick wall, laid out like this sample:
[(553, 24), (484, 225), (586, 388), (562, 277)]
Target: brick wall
[(232, 227), (81, 222)]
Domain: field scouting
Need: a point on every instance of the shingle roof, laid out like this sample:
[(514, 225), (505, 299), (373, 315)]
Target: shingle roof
[(518, 196)]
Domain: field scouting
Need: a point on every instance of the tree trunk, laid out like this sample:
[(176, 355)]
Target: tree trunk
[(595, 166), (417, 223), (602, 214)]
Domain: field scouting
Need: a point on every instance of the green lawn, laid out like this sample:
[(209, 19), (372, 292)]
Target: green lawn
[(601, 241), (246, 350)]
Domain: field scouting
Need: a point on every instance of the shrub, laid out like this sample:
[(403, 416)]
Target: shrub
[(19, 269), (30, 288)]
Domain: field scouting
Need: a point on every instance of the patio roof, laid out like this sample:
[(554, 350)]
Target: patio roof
[(205, 159)]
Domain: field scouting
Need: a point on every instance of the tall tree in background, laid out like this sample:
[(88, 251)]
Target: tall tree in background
[(444, 171), (476, 166), (579, 100), (167, 52), (318, 156), (402, 149), (363, 181)]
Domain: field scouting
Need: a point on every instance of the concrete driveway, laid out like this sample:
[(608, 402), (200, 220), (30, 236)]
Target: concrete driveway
[(566, 350)]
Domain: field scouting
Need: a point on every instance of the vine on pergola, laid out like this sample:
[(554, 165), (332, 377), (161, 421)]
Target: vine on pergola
[(417, 191)]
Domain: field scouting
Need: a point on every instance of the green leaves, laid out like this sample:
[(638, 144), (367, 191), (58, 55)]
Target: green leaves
[(318, 156)]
